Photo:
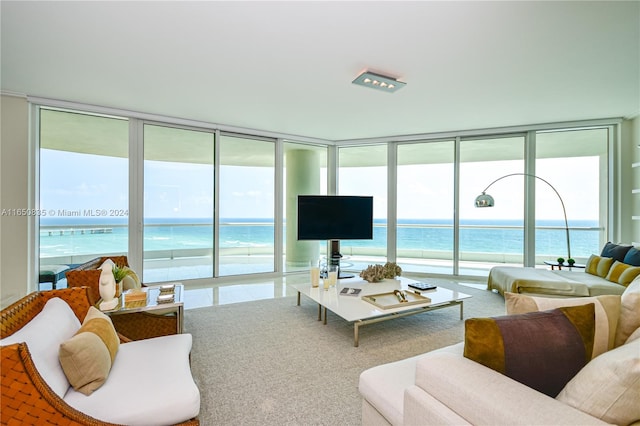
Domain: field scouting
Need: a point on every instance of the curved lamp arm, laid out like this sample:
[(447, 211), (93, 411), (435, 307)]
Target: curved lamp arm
[(485, 200)]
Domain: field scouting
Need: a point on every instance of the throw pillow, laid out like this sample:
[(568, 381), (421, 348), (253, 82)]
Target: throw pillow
[(607, 313), (542, 350), (615, 251), (622, 274), (87, 357), (632, 257), (598, 266), (55, 323), (629, 312), (608, 387)]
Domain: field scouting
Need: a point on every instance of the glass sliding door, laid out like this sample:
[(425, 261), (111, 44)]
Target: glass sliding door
[(425, 205), (362, 171), (576, 163), (491, 236), (84, 188), (247, 199), (305, 173), (178, 204)]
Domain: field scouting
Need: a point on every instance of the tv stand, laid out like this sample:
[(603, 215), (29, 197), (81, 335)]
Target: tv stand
[(334, 259)]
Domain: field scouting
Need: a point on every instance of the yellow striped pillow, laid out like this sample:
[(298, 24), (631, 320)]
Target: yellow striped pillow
[(599, 266), (622, 274)]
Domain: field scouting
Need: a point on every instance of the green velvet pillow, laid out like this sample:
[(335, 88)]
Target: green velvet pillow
[(542, 350), (598, 266)]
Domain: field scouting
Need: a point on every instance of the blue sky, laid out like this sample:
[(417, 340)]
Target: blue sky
[(75, 181)]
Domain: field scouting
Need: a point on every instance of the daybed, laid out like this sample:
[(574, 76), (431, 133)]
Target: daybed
[(149, 381), (609, 273), (554, 283), (446, 386)]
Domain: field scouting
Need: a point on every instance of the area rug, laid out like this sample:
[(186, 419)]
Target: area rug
[(270, 362)]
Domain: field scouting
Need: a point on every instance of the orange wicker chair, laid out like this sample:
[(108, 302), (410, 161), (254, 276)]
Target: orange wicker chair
[(26, 397)]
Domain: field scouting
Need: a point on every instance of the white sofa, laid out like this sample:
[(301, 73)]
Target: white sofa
[(149, 381), (443, 387)]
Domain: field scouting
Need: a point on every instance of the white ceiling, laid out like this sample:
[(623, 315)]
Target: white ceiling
[(287, 67)]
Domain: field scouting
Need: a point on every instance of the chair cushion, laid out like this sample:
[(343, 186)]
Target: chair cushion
[(150, 383), (87, 357), (609, 386), (542, 350), (629, 312), (607, 313), (43, 335)]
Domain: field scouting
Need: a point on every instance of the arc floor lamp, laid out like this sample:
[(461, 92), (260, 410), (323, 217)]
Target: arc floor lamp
[(486, 200)]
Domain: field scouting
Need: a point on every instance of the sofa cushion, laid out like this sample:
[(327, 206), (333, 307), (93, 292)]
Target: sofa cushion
[(632, 257), (615, 251), (542, 350), (607, 313), (87, 357), (166, 395), (622, 273), (629, 312), (598, 266), (43, 335), (609, 386)]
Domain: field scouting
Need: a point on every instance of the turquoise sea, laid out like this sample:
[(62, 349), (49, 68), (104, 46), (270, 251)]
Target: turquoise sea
[(69, 236)]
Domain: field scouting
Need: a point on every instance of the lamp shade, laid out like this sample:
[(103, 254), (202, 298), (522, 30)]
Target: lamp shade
[(484, 200)]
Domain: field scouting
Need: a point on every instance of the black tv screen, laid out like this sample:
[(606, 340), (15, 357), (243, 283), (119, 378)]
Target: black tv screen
[(335, 217)]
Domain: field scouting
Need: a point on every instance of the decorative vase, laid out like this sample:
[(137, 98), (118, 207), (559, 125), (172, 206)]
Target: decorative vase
[(118, 289)]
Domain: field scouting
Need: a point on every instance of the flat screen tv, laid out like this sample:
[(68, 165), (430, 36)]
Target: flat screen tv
[(335, 217)]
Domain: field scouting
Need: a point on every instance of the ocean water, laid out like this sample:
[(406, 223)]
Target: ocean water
[(70, 236)]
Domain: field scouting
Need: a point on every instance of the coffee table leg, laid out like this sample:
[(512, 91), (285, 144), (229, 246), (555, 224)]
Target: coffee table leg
[(356, 334), (325, 316), (461, 310), (319, 312), (298, 298)]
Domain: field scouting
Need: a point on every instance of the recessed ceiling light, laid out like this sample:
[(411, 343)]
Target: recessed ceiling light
[(377, 81)]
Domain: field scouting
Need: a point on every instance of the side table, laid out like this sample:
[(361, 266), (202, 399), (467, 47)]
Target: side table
[(555, 265), (148, 318)]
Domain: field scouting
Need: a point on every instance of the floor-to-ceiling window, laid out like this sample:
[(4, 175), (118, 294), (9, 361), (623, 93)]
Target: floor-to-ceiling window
[(178, 203), (305, 173), (425, 206), (247, 198), (84, 186), (575, 163), (494, 235), (362, 170)]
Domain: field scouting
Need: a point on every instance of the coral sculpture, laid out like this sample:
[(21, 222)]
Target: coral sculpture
[(376, 273), (392, 270)]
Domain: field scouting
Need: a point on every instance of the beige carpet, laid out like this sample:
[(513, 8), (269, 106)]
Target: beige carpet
[(271, 362)]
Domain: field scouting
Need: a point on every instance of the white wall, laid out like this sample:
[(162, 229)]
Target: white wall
[(14, 192)]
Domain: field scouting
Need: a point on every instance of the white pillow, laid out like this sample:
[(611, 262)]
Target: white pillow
[(608, 387), (43, 335)]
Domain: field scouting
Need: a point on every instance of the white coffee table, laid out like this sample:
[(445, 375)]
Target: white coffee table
[(360, 312)]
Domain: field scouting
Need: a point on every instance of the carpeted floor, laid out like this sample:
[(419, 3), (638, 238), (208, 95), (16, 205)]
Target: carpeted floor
[(271, 362)]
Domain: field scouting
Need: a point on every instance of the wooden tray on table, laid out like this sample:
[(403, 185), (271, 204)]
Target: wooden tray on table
[(396, 299)]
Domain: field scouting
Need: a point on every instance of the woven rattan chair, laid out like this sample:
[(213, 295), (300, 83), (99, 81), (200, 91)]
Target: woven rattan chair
[(26, 397)]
